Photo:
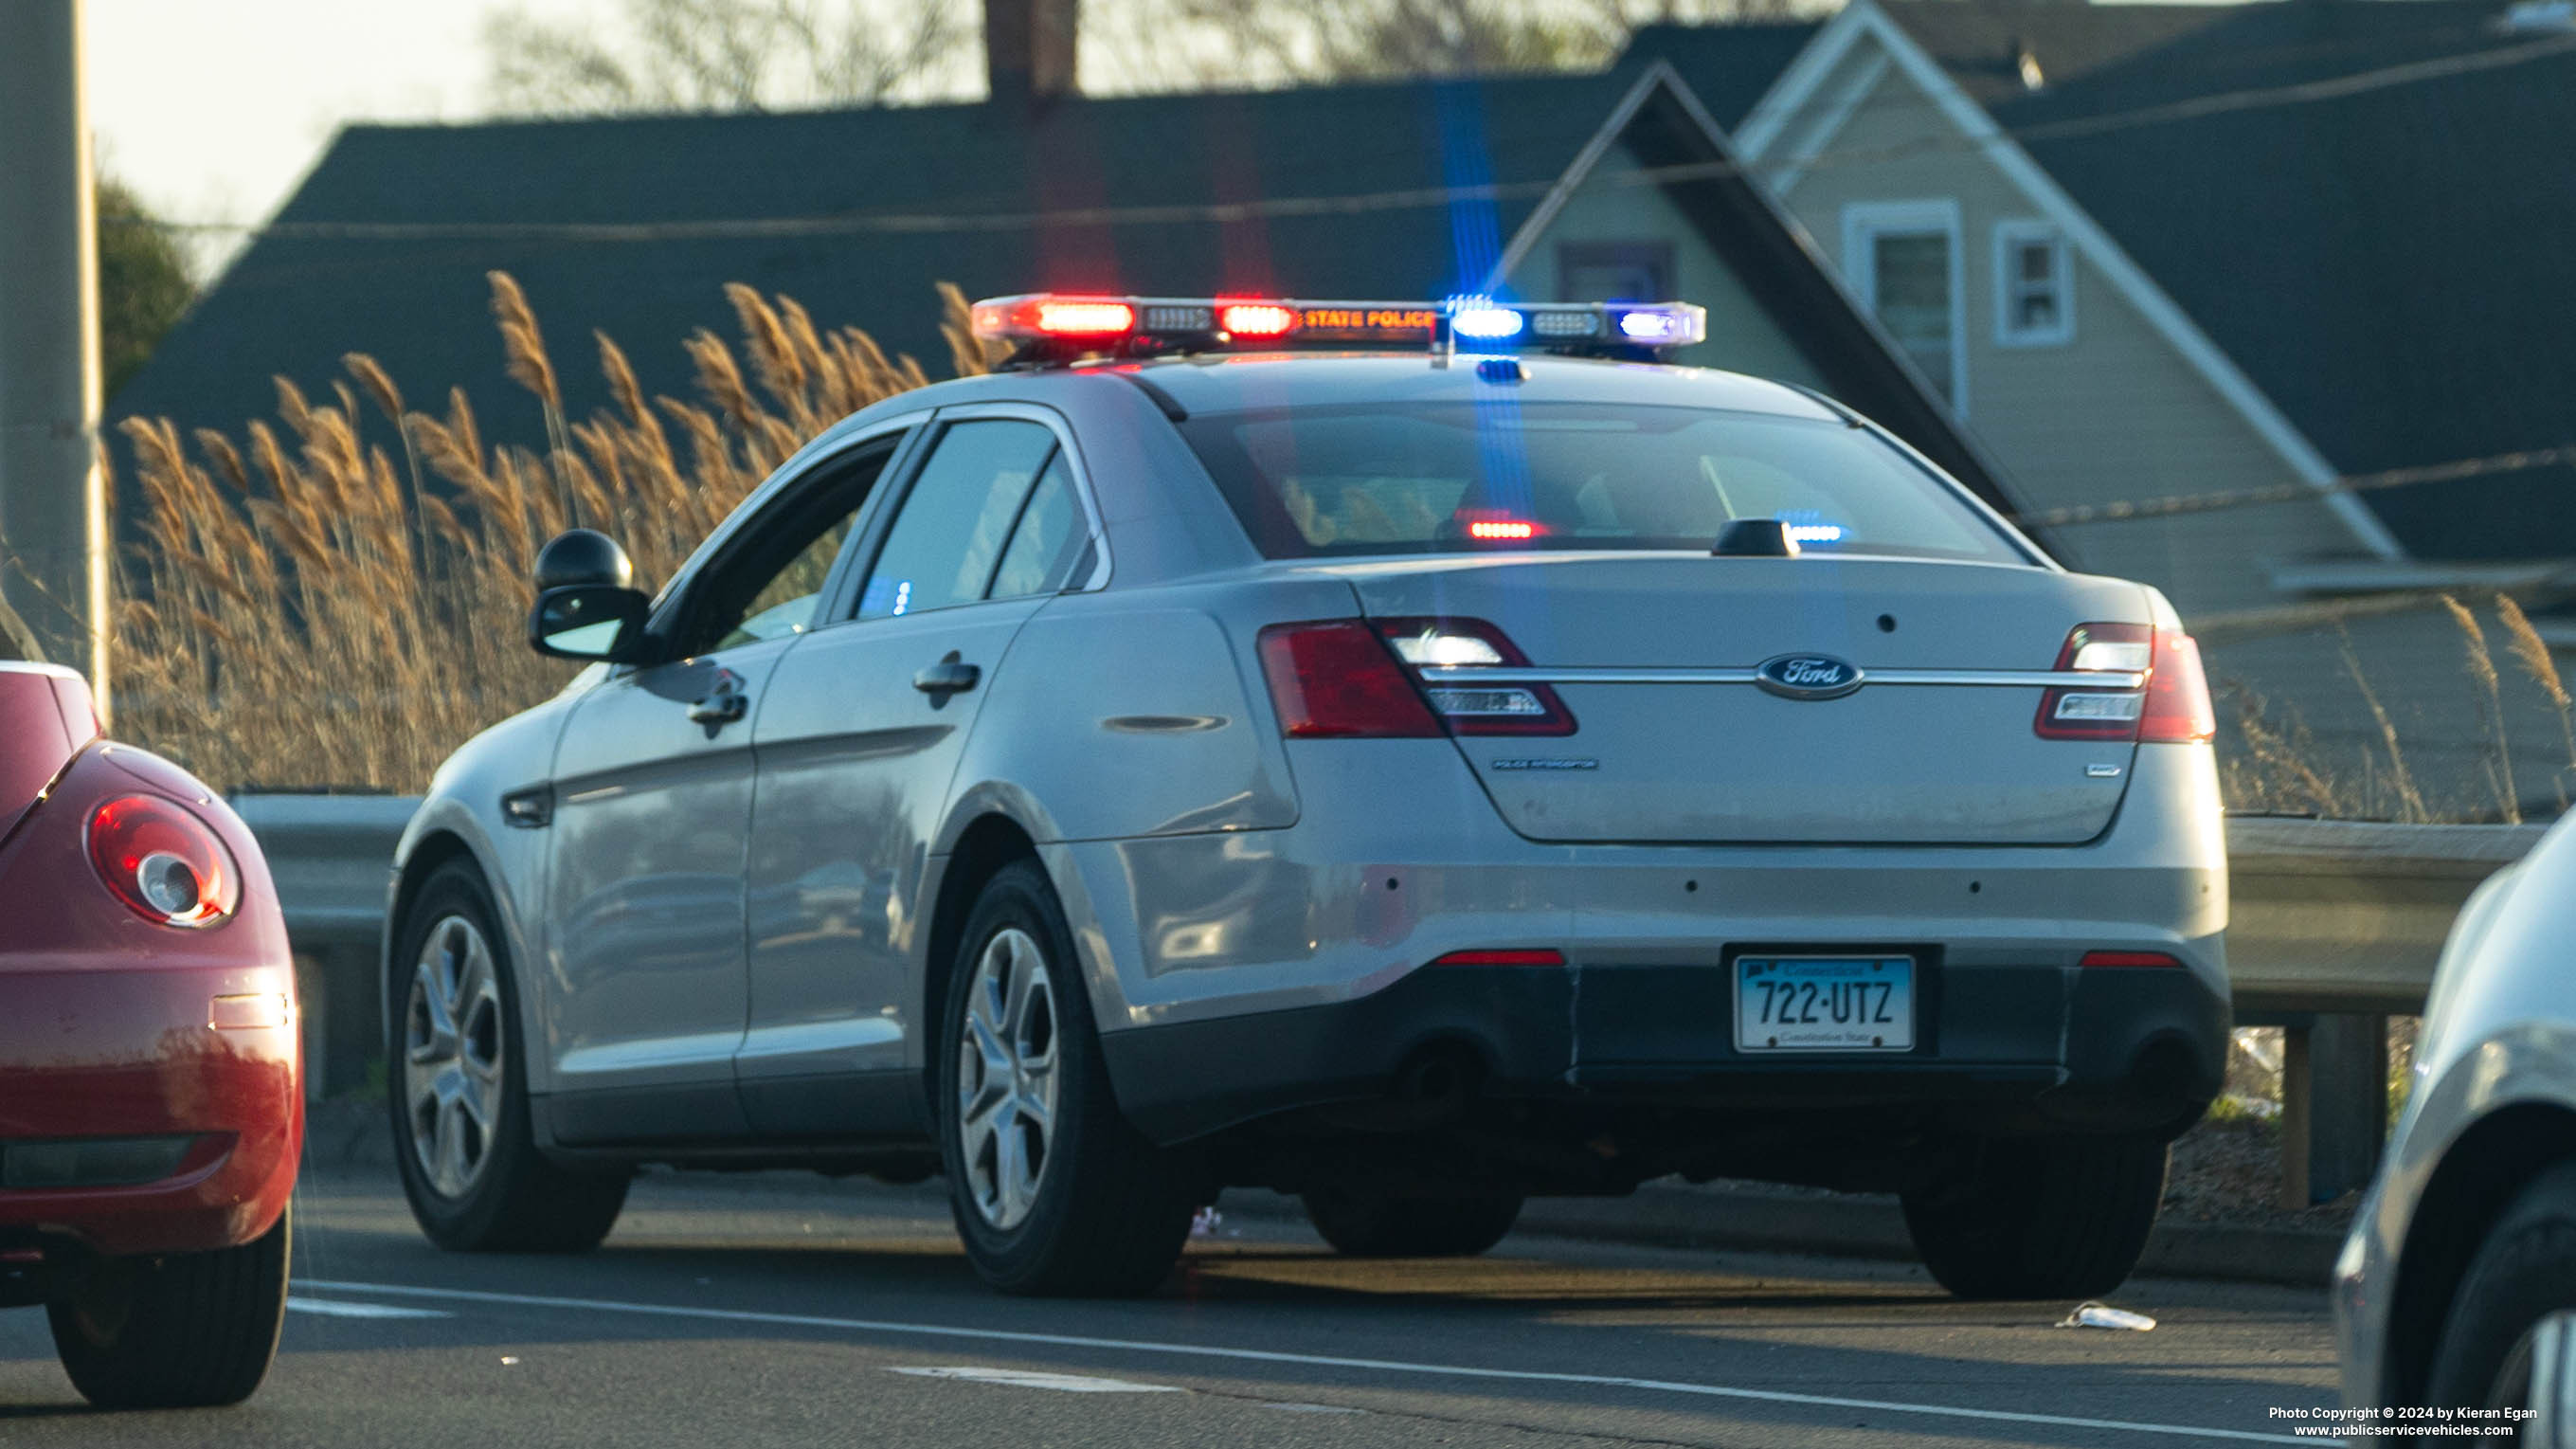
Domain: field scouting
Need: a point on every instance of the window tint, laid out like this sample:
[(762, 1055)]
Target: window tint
[(772, 585), (1418, 478), (948, 538), (1049, 540)]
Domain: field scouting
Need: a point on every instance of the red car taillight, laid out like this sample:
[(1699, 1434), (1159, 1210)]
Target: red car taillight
[(1363, 679), (2170, 707), (1333, 679), (1474, 708), (166, 864)]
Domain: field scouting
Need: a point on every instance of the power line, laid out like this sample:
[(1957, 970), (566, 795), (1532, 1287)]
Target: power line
[(2175, 505), (1185, 213)]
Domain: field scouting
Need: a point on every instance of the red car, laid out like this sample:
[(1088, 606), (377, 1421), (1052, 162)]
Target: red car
[(151, 1102)]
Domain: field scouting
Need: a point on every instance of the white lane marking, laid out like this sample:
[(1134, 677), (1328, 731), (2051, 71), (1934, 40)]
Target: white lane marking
[(1029, 1379), (332, 1308), (1315, 1360)]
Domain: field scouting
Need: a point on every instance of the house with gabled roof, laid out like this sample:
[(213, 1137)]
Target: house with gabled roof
[(2245, 250)]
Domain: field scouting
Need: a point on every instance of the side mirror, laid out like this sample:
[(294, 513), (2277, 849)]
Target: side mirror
[(583, 556), (589, 621)]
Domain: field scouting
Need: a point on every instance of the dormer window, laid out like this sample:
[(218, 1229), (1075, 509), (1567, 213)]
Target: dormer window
[(2034, 286)]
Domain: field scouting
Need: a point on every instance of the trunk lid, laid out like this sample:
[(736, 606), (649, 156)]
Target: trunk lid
[(1675, 742)]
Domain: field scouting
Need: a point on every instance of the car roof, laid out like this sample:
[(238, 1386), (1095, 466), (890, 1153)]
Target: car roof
[(1239, 382)]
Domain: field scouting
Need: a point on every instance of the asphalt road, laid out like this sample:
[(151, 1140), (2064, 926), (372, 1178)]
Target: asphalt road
[(786, 1310)]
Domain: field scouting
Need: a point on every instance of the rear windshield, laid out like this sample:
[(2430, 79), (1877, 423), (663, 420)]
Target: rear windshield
[(1427, 478)]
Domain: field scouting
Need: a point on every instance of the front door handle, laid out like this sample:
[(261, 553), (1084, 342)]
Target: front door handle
[(948, 676), (724, 702)]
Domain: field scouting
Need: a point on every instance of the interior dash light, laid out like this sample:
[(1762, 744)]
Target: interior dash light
[(1502, 528)]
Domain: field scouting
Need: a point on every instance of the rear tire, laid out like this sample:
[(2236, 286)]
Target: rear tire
[(1054, 1192), (458, 1087), (2523, 1272), (1362, 1224), (181, 1331), (2041, 1218)]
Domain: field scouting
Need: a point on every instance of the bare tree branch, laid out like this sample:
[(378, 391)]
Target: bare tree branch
[(732, 55)]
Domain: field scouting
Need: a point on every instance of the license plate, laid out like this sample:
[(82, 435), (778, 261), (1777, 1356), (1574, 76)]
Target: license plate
[(1824, 1003)]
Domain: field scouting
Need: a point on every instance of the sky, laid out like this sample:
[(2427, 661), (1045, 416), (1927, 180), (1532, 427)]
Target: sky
[(214, 109)]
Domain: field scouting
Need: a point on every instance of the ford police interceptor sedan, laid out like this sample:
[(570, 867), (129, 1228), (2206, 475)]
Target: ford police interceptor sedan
[(1415, 757)]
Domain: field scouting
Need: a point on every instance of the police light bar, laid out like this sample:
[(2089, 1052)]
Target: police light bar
[(1043, 325)]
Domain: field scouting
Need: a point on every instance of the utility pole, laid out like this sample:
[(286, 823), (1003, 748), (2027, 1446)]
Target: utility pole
[(53, 534)]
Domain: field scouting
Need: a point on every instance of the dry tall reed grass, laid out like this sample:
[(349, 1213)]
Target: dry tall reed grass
[(311, 608), (2271, 762)]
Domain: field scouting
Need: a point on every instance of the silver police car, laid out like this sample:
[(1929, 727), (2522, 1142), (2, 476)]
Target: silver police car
[(1411, 756)]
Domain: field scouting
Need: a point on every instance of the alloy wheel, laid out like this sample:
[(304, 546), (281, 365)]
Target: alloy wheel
[(1006, 1078), (452, 1056)]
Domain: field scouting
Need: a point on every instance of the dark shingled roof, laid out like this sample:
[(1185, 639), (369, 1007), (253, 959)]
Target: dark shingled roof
[(2390, 265), (294, 304), (1729, 67)]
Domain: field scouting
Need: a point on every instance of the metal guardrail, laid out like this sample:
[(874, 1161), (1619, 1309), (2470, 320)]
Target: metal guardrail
[(2345, 916), (2335, 926), (329, 855)]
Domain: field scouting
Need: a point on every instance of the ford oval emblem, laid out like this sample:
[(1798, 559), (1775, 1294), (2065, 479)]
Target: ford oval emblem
[(1807, 676)]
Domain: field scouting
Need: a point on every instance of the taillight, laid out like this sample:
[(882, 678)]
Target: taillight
[(166, 864), (1383, 679), (2170, 706), (1333, 679), (1475, 707), (2178, 710)]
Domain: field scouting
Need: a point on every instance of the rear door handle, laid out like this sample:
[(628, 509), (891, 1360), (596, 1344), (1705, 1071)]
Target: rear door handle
[(948, 676)]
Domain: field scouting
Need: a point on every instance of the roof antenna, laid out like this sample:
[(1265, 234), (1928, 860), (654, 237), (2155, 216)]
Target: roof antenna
[(1755, 538)]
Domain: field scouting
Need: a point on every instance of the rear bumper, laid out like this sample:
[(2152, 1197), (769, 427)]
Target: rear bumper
[(118, 1052), (2023, 1044)]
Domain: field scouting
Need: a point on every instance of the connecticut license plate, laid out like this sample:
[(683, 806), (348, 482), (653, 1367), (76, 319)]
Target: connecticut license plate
[(1824, 1003)]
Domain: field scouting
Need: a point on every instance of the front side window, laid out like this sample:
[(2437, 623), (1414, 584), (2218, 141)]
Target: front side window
[(1902, 258), (2034, 292), (1392, 478), (770, 585), (956, 520)]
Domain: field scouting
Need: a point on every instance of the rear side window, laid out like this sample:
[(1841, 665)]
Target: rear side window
[(1417, 478), (1047, 542), (957, 517)]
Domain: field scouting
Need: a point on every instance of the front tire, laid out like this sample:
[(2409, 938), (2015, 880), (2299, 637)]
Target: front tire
[(182, 1331), (2040, 1217), (2523, 1272), (462, 1140), (1361, 1224), (1054, 1192)]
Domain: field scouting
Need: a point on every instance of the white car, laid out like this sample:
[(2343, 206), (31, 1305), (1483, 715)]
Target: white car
[(1415, 756), (2463, 1257)]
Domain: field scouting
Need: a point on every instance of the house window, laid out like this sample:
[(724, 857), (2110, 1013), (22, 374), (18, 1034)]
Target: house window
[(1629, 271), (2034, 286), (1902, 258)]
